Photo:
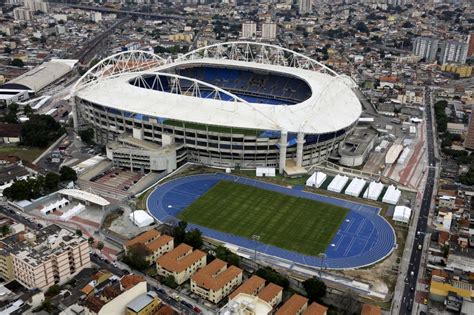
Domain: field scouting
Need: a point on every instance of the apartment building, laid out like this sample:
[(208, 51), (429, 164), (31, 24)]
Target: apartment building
[(269, 30), (216, 280), (156, 244), (52, 255), (272, 294), (6, 263), (295, 305), (252, 286), (249, 29), (181, 263), (317, 309)]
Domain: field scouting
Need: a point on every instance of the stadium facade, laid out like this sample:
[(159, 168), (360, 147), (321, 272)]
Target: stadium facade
[(238, 104)]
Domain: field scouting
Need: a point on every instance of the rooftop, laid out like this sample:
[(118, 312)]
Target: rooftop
[(144, 237), (180, 258), (140, 302), (269, 292), (293, 305), (251, 285), (331, 98), (215, 275)]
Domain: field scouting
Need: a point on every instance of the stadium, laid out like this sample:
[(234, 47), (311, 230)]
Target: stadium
[(238, 104)]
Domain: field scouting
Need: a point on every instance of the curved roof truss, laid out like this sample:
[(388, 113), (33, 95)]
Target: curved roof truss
[(259, 53), (122, 62)]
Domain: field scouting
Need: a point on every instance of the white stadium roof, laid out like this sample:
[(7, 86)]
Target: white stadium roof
[(85, 196), (332, 105)]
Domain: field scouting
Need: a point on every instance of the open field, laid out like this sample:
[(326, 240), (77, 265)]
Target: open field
[(297, 224), (24, 153)]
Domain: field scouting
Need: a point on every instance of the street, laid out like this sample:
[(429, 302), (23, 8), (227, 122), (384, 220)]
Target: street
[(409, 290)]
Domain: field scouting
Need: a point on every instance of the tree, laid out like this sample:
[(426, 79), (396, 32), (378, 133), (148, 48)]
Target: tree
[(100, 245), (53, 290), (5, 229), (51, 182), (11, 115), (179, 232), (40, 130), (90, 240), (17, 63), (361, 27), (226, 255), (87, 136), (136, 256), (79, 232), (315, 289), (67, 174), (169, 281), (194, 239), (27, 110), (272, 275)]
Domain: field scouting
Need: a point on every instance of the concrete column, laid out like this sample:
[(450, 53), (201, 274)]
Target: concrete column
[(283, 145), (299, 149), (72, 101)]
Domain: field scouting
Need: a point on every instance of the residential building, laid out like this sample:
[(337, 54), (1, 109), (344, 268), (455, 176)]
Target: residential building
[(269, 30), (304, 6), (272, 294), (295, 305), (22, 14), (145, 304), (249, 29), (37, 5), (246, 304), (318, 309), (181, 263), (469, 141), (52, 255), (452, 51), (116, 296), (7, 271), (460, 71), (368, 309), (425, 47), (216, 280), (252, 286), (156, 244)]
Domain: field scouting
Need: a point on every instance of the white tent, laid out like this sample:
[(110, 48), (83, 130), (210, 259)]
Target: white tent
[(141, 218), (265, 172), (392, 195), (355, 187), (373, 191), (54, 206), (316, 180), (402, 214), (74, 211), (338, 183)]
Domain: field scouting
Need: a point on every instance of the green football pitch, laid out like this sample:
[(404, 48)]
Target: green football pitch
[(297, 224)]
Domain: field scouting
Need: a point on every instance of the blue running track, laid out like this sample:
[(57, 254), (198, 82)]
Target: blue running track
[(364, 237)]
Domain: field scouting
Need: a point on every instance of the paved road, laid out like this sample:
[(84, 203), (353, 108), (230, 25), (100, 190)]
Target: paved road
[(409, 289), (17, 215)]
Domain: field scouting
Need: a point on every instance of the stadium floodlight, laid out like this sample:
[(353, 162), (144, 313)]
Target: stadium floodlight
[(256, 238)]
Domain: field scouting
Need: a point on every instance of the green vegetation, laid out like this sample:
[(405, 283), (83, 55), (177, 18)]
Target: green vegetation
[(25, 153), (17, 63), (468, 178), (136, 257), (315, 289), (192, 238), (169, 281), (440, 115), (289, 222), (87, 136), (272, 275), (67, 174), (226, 255), (5, 229), (11, 115), (40, 131)]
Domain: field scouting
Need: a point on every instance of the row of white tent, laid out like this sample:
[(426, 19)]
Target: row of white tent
[(373, 191), (72, 212)]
